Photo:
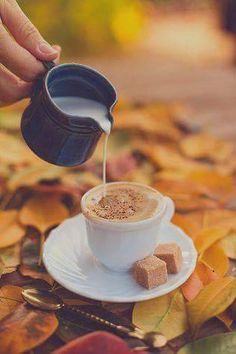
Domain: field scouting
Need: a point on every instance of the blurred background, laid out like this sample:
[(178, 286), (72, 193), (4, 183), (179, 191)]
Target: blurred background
[(166, 50)]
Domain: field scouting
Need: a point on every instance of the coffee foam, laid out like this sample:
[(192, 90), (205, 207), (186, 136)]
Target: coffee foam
[(123, 202)]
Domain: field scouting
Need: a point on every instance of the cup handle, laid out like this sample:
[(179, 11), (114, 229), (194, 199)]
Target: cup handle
[(169, 209)]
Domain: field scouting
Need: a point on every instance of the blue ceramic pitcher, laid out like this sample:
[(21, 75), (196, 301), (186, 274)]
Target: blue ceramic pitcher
[(55, 136)]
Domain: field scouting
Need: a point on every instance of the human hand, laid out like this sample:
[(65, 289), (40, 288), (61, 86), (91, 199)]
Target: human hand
[(21, 50)]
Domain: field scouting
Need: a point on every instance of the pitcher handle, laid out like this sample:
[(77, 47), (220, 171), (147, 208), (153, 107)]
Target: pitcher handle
[(39, 81), (48, 65), (169, 209)]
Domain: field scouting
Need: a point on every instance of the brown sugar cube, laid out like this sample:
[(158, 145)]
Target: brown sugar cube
[(150, 272), (171, 254)]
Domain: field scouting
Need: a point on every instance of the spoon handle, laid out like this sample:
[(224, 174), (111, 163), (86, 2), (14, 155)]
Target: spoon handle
[(98, 319)]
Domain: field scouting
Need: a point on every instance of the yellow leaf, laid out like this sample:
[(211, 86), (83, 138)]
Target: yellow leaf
[(166, 314), (144, 122), (17, 152), (211, 301), (33, 174), (75, 179), (203, 145), (11, 231), (228, 243), (206, 237), (10, 297), (167, 157), (10, 257), (43, 212), (216, 258)]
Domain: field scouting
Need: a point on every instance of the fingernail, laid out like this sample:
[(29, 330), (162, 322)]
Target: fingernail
[(45, 48)]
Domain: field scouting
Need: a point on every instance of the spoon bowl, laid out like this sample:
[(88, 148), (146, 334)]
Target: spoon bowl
[(42, 299)]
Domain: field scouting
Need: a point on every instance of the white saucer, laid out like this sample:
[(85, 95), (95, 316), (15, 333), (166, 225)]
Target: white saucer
[(68, 259)]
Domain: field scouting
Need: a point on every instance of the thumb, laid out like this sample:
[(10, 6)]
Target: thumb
[(24, 32)]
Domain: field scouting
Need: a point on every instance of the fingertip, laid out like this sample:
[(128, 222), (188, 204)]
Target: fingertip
[(58, 49), (46, 51)]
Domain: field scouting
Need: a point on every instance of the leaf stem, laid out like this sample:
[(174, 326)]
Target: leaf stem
[(6, 200), (42, 240)]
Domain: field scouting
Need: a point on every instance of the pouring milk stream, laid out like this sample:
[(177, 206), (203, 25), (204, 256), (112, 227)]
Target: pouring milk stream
[(83, 107)]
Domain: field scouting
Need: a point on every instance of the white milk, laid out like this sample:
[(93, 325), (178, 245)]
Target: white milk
[(84, 107)]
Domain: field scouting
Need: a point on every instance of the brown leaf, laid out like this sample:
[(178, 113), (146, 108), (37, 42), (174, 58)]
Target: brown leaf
[(43, 212), (36, 272), (11, 231), (10, 297), (25, 329), (2, 267), (227, 318)]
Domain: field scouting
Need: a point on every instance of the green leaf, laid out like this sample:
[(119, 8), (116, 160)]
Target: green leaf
[(165, 314), (219, 344)]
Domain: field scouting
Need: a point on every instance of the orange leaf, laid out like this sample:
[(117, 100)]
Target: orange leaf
[(191, 223), (192, 286), (205, 273), (220, 185), (11, 231), (10, 297), (43, 212), (25, 329)]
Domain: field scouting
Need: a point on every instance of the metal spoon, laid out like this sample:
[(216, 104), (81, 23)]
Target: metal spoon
[(46, 300)]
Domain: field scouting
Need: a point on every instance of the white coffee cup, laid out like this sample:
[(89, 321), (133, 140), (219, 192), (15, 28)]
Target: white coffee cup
[(118, 245)]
